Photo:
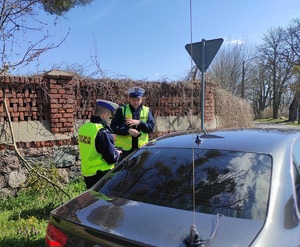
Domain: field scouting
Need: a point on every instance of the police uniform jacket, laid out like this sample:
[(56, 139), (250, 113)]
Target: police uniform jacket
[(120, 128), (103, 145)]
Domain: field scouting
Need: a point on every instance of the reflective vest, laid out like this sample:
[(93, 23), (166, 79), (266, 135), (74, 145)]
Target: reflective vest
[(91, 160), (125, 142)]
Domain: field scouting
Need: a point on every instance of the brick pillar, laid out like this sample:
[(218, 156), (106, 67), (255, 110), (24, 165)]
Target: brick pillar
[(61, 97), (210, 108)]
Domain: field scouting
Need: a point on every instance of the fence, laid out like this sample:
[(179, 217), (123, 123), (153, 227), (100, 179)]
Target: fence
[(57, 101)]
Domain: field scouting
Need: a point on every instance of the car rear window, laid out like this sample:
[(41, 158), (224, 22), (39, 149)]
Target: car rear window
[(235, 184)]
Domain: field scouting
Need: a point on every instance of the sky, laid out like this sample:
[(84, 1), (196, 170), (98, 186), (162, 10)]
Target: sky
[(145, 39)]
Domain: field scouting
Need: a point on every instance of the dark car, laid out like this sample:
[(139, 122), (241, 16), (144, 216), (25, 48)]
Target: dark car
[(223, 188)]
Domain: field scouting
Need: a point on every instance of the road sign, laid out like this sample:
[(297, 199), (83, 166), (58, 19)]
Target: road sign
[(204, 52)]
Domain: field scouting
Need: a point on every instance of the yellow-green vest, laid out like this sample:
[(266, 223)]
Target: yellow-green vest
[(125, 142), (91, 160)]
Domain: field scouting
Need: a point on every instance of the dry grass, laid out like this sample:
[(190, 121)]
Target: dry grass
[(232, 111)]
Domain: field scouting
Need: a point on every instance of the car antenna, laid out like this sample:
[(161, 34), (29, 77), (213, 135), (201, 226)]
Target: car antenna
[(202, 61), (198, 138), (193, 240)]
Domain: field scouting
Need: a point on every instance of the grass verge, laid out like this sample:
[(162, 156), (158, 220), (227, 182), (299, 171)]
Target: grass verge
[(24, 217)]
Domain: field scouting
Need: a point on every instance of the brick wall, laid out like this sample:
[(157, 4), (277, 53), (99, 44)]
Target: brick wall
[(61, 99), (25, 98)]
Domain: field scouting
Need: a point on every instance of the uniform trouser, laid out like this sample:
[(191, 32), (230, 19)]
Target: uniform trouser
[(91, 180)]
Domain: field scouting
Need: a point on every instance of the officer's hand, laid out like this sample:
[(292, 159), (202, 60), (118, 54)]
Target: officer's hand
[(132, 122), (134, 132)]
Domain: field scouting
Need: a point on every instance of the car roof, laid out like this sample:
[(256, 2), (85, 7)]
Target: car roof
[(258, 140)]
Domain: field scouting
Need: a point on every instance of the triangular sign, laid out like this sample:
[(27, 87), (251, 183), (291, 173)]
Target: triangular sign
[(210, 50)]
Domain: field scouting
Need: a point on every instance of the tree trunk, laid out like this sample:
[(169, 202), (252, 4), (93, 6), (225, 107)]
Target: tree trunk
[(275, 110), (293, 109), (297, 113)]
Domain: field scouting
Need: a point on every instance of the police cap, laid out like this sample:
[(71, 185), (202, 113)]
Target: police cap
[(107, 104), (136, 92)]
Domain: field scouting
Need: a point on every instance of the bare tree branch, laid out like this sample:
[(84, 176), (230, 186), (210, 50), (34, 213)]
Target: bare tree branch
[(29, 168)]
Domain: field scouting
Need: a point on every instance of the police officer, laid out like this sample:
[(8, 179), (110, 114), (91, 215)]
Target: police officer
[(96, 144), (132, 123)]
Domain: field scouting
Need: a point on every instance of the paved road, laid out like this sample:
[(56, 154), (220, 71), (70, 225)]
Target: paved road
[(275, 125)]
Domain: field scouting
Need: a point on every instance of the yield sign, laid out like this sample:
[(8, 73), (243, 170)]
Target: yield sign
[(204, 52)]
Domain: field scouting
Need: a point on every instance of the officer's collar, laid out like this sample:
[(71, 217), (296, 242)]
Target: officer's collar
[(97, 119)]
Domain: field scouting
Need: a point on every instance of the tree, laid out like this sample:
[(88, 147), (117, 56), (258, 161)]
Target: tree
[(277, 55), (19, 20), (293, 40), (59, 7), (228, 67), (294, 108), (260, 89)]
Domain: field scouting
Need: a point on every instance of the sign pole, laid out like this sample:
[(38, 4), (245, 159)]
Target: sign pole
[(203, 53), (203, 85)]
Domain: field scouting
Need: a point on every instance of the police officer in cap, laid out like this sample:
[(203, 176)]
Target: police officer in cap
[(96, 144), (132, 123)]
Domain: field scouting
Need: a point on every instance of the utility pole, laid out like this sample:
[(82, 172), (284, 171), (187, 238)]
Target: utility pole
[(243, 81)]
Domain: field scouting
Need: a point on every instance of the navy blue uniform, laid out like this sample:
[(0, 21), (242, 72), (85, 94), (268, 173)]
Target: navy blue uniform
[(120, 128), (104, 144)]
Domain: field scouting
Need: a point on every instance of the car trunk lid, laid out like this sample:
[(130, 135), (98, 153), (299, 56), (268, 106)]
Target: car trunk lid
[(151, 224)]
